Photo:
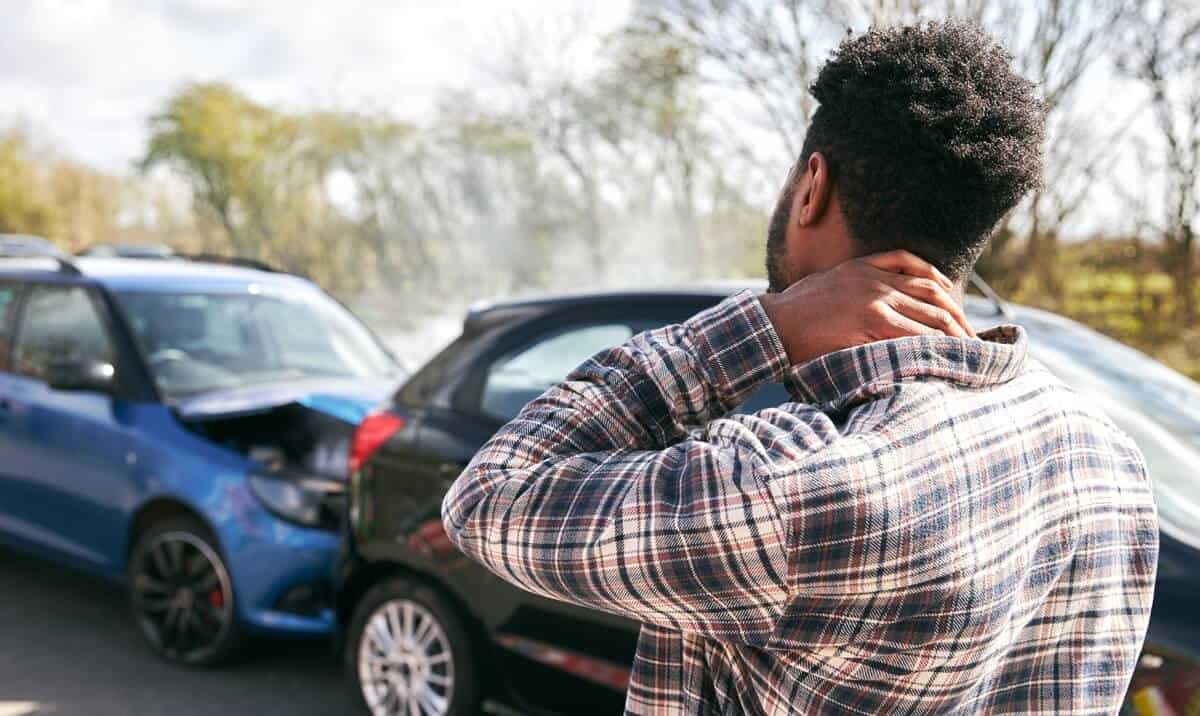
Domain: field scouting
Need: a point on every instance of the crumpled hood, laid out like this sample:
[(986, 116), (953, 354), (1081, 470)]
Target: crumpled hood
[(344, 399)]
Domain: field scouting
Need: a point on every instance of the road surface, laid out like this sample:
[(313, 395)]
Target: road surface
[(68, 647)]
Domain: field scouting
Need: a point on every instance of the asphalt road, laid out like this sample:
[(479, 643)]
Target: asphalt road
[(68, 647)]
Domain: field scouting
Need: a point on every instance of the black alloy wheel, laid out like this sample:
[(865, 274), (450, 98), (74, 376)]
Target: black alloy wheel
[(182, 595)]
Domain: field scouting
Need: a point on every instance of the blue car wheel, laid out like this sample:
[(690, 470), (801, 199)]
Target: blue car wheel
[(182, 595)]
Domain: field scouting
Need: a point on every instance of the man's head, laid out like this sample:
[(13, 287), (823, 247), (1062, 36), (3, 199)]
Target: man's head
[(923, 140)]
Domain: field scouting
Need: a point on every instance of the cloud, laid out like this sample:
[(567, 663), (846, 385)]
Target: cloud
[(86, 74)]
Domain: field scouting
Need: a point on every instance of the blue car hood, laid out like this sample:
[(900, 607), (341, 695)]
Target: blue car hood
[(346, 400)]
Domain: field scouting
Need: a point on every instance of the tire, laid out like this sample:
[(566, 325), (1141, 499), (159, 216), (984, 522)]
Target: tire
[(443, 669), (181, 594)]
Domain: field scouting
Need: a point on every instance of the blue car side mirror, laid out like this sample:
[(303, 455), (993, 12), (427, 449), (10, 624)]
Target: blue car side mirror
[(81, 374)]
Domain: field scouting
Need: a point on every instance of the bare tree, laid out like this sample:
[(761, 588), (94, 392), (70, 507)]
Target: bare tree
[(550, 97), (760, 56), (1066, 39), (1164, 54)]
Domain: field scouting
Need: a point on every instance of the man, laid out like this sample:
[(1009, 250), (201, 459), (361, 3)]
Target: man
[(935, 525)]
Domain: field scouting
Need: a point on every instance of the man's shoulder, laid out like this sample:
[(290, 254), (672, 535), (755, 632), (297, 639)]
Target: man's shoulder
[(1084, 424), (1035, 405), (1085, 407)]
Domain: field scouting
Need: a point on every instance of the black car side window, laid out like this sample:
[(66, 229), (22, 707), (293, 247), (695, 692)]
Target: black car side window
[(57, 323), (8, 295), (768, 395), (522, 375)]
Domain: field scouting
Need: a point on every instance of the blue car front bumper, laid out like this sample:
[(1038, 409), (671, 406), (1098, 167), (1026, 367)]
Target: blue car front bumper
[(280, 572)]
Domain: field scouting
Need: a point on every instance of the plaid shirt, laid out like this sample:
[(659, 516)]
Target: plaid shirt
[(934, 526)]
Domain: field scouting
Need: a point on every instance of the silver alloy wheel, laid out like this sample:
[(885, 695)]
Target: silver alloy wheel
[(405, 665)]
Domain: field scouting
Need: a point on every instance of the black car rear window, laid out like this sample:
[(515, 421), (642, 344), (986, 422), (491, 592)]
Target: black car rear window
[(768, 395)]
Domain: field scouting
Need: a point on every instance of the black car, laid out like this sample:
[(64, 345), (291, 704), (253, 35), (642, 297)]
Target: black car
[(423, 623)]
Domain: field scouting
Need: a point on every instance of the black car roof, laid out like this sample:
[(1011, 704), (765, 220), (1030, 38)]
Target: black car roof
[(487, 314)]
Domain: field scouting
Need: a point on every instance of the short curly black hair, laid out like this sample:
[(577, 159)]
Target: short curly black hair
[(931, 138)]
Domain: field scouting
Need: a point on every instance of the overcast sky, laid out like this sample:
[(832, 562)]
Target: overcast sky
[(83, 75)]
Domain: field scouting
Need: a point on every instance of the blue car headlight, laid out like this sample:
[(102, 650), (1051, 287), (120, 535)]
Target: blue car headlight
[(306, 501)]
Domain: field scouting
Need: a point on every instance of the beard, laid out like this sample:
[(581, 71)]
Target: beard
[(777, 279)]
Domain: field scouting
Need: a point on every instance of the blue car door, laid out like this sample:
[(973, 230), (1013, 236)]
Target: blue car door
[(9, 292), (64, 451)]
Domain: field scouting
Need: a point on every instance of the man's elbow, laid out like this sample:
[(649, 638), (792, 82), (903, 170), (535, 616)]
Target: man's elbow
[(459, 506), (454, 510)]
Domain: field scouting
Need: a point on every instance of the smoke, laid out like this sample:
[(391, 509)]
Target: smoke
[(637, 252), (415, 346), (564, 176)]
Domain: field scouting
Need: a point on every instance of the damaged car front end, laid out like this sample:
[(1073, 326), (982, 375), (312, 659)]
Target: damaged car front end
[(276, 379), (293, 441), (297, 437)]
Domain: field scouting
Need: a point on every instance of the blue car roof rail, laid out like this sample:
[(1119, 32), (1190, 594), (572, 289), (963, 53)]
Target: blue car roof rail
[(65, 265), (210, 258)]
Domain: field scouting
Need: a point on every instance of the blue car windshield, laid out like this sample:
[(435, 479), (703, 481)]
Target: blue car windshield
[(198, 342)]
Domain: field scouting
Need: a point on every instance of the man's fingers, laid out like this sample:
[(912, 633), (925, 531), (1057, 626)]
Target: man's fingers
[(901, 326), (925, 289), (907, 263), (928, 314)]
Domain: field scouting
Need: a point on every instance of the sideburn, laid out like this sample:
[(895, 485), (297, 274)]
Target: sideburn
[(777, 241)]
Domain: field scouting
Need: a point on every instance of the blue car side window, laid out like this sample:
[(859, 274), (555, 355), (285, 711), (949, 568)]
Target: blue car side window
[(8, 294), (58, 322)]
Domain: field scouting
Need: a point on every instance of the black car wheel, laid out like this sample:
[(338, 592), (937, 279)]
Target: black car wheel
[(407, 652), (182, 595)]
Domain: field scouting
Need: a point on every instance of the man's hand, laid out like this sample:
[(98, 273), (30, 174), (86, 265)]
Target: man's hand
[(873, 298)]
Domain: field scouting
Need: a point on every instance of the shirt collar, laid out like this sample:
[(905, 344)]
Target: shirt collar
[(854, 375)]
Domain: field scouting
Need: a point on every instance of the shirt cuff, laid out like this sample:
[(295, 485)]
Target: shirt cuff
[(738, 347)]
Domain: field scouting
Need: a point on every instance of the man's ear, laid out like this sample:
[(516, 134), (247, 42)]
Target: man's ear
[(812, 191)]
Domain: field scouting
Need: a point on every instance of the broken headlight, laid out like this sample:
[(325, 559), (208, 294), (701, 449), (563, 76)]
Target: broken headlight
[(307, 501)]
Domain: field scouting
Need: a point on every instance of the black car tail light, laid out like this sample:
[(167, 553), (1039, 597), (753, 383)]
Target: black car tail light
[(375, 430)]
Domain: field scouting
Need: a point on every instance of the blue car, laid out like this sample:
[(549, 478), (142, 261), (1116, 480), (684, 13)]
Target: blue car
[(183, 427)]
